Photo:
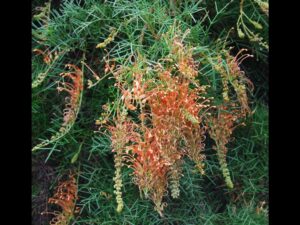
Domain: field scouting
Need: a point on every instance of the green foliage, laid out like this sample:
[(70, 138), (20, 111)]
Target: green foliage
[(73, 30)]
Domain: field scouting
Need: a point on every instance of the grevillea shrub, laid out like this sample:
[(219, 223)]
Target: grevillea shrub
[(173, 98), (164, 115)]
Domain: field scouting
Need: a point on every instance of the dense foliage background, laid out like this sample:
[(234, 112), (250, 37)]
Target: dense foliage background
[(73, 29)]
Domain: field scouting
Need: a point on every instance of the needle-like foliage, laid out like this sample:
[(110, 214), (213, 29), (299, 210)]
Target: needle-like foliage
[(162, 111)]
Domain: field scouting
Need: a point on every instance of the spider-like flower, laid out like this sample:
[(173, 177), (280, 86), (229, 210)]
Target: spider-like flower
[(74, 88), (233, 76), (65, 197), (220, 128)]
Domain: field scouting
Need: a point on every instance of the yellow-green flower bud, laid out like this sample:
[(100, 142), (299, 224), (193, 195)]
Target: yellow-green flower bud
[(257, 25), (240, 33)]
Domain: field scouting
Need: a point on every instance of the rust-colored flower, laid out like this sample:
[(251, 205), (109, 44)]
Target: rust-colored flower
[(65, 197), (74, 88)]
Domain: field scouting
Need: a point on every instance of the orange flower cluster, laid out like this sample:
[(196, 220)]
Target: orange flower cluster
[(65, 197), (150, 168), (74, 90), (171, 116), (170, 126), (175, 112), (174, 119), (183, 58)]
